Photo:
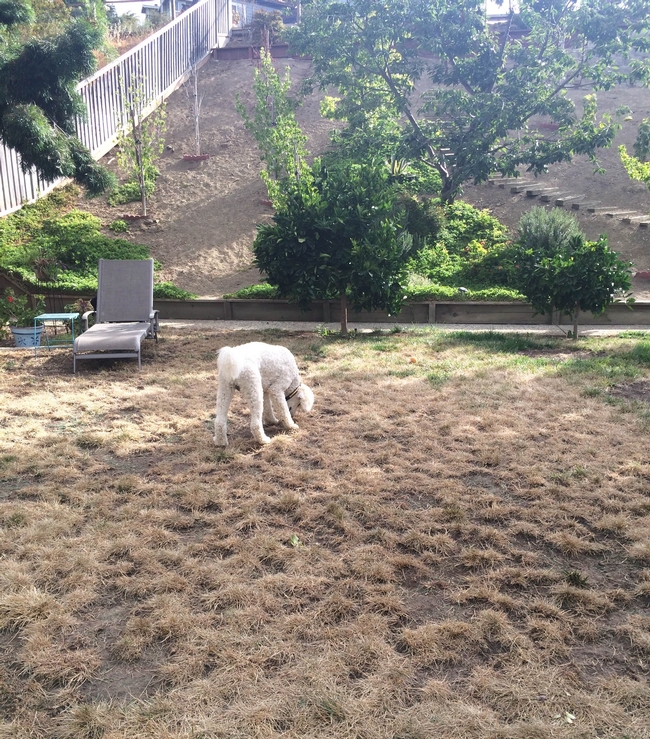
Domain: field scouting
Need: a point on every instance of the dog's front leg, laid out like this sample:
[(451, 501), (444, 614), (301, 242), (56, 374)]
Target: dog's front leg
[(282, 409), (225, 391), (254, 395), (269, 416)]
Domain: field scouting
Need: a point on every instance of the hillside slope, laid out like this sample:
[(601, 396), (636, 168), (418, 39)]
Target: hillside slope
[(203, 215)]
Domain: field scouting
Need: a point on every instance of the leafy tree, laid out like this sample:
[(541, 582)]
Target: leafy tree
[(267, 28), (338, 233), (140, 140), (485, 82), (565, 272), (274, 127), (39, 102), (638, 166)]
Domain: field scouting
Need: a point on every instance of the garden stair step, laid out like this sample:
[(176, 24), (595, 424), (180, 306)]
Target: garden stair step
[(520, 187), (583, 206), (548, 196), (630, 219), (599, 209), (503, 181), (612, 213), (535, 191), (567, 199)]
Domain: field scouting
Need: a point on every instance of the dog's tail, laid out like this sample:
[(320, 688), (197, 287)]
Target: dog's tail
[(227, 364)]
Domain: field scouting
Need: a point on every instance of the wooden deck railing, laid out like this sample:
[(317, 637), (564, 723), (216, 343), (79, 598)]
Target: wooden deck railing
[(160, 63)]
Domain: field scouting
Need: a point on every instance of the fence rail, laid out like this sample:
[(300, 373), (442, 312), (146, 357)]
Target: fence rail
[(159, 64)]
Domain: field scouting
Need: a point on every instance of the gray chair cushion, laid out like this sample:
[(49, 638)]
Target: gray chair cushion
[(112, 337)]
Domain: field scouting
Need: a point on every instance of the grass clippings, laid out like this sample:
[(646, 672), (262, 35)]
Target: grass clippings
[(455, 546)]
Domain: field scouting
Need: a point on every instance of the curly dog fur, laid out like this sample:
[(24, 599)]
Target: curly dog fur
[(268, 378)]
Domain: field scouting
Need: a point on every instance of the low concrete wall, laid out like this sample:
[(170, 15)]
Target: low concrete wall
[(428, 312)]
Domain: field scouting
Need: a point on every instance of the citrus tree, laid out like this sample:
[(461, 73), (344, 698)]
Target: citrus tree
[(558, 269), (338, 233)]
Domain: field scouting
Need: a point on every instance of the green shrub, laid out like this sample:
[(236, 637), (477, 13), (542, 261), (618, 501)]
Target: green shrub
[(171, 292), (447, 292), (119, 226), (546, 232), (421, 290), (465, 224), (129, 192), (470, 250), (67, 246), (260, 291)]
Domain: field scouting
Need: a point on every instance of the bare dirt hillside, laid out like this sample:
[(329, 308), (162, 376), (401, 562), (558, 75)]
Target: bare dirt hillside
[(203, 215)]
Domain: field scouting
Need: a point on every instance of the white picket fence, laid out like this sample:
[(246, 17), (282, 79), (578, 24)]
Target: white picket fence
[(159, 65)]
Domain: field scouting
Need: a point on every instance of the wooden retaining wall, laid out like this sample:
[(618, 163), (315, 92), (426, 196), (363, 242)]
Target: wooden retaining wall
[(420, 312), (328, 311)]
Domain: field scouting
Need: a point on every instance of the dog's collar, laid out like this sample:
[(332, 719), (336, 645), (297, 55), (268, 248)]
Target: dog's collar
[(293, 392)]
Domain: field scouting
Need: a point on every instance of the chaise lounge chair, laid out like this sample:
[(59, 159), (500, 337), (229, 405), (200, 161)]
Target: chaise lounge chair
[(125, 314)]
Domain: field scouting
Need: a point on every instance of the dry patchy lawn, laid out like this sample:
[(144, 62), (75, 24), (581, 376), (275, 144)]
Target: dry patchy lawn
[(455, 544)]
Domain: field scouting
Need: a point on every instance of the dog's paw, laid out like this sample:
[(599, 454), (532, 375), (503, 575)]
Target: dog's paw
[(293, 426), (220, 441), (264, 440)]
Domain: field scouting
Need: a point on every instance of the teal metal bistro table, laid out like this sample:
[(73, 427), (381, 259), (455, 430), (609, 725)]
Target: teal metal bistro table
[(62, 317)]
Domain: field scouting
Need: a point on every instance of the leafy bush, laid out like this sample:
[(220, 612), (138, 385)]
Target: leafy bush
[(446, 292), (119, 226), (422, 290), (66, 247), (470, 250), (260, 291), (129, 192), (570, 275), (169, 291), (547, 231)]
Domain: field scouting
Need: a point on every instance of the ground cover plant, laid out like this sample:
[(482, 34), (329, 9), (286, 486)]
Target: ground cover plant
[(454, 544), (48, 245)]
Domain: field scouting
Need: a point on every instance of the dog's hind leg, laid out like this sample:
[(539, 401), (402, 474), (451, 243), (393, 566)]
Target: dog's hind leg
[(268, 419), (225, 391), (282, 409)]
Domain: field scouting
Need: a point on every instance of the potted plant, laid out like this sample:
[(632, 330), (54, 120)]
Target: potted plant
[(18, 312)]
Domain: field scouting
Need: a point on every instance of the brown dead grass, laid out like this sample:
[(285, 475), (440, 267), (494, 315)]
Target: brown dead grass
[(450, 548)]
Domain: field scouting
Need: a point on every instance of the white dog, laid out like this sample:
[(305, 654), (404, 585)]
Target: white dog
[(269, 380)]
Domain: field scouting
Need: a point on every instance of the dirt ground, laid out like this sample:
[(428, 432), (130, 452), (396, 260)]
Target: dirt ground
[(203, 215)]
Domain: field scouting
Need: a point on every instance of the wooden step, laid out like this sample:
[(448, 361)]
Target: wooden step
[(547, 197), (567, 199), (612, 213), (535, 191), (521, 187), (583, 206), (598, 209), (630, 219)]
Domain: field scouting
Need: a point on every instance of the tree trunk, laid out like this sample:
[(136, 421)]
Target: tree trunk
[(344, 314), (576, 314), (448, 192), (137, 140), (197, 105)]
